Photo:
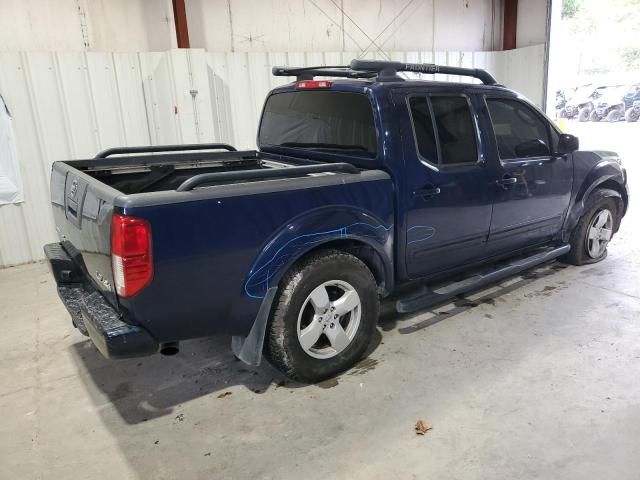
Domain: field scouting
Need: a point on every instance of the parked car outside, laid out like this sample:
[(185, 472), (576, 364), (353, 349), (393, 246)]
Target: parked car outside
[(632, 104), (561, 101), (610, 105), (581, 102)]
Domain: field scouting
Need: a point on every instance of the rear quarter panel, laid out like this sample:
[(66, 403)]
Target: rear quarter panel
[(216, 250)]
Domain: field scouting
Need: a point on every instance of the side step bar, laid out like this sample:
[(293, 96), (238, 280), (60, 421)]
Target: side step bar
[(428, 297)]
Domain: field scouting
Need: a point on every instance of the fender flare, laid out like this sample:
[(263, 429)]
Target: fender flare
[(311, 230), (598, 175)]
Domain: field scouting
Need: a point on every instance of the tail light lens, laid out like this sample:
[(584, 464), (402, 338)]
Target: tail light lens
[(130, 254)]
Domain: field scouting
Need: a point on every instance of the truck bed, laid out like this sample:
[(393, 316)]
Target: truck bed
[(156, 173), (223, 225)]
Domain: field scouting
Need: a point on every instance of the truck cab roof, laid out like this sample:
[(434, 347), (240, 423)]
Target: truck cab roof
[(353, 130), (357, 85)]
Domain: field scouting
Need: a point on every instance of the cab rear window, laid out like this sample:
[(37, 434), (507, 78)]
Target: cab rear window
[(340, 122)]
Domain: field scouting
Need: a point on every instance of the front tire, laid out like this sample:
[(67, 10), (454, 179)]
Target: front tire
[(593, 233), (324, 316)]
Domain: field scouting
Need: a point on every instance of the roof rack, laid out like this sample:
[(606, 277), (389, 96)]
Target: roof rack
[(391, 69), (381, 70), (307, 73)]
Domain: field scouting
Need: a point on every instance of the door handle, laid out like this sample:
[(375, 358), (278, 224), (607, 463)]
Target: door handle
[(427, 192), (507, 181)]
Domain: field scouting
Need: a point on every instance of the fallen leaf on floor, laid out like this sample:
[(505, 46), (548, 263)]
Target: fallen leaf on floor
[(422, 427), (224, 394)]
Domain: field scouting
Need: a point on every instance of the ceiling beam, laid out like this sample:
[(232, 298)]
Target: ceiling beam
[(180, 18)]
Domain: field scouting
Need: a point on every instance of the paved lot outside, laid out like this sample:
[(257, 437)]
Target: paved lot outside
[(534, 378)]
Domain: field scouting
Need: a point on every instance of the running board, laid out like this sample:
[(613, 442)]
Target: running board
[(428, 297)]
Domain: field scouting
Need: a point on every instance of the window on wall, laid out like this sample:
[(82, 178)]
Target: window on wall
[(453, 132), (10, 181)]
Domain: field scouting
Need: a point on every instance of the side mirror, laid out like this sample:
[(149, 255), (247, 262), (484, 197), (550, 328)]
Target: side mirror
[(532, 148), (568, 144)]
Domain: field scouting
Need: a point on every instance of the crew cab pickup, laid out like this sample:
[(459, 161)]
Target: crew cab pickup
[(364, 183)]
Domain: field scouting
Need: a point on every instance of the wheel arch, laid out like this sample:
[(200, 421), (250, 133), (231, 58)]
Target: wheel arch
[(364, 252), (603, 187), (344, 228), (611, 184)]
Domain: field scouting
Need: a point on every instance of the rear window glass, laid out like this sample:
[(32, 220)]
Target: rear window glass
[(453, 132), (423, 128), (340, 122)]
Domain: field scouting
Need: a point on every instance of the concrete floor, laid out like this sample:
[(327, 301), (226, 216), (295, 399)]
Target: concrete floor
[(534, 378)]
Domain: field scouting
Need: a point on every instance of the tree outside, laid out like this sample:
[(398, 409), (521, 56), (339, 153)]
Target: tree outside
[(600, 40)]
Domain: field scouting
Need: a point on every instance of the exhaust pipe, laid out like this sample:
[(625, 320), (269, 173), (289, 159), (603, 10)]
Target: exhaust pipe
[(170, 348)]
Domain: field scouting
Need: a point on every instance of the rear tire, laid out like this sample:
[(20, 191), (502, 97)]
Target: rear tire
[(631, 115), (593, 116), (324, 316), (593, 232)]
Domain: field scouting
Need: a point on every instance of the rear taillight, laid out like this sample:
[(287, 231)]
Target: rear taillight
[(130, 254)]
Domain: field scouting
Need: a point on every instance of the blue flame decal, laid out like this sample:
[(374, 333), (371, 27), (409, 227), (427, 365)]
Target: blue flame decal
[(419, 233)]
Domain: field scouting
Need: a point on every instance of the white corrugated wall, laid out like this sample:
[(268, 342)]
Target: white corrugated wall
[(71, 105)]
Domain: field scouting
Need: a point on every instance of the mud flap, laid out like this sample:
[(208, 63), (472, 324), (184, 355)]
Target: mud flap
[(249, 348)]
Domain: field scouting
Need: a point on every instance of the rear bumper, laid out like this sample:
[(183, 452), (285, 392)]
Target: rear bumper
[(92, 314)]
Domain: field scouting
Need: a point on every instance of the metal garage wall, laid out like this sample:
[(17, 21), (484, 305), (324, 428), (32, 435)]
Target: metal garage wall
[(71, 105)]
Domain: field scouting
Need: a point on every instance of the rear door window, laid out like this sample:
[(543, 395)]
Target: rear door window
[(444, 129), (423, 128)]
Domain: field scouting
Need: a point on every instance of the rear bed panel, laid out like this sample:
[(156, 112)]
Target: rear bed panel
[(206, 241), (205, 248)]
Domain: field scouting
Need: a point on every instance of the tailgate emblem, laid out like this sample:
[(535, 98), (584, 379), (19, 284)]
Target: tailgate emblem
[(73, 191), (103, 280)]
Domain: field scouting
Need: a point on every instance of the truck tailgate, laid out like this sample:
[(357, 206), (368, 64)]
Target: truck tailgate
[(82, 209)]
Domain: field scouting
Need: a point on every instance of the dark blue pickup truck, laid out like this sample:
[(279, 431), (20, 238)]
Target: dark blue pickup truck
[(361, 184)]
